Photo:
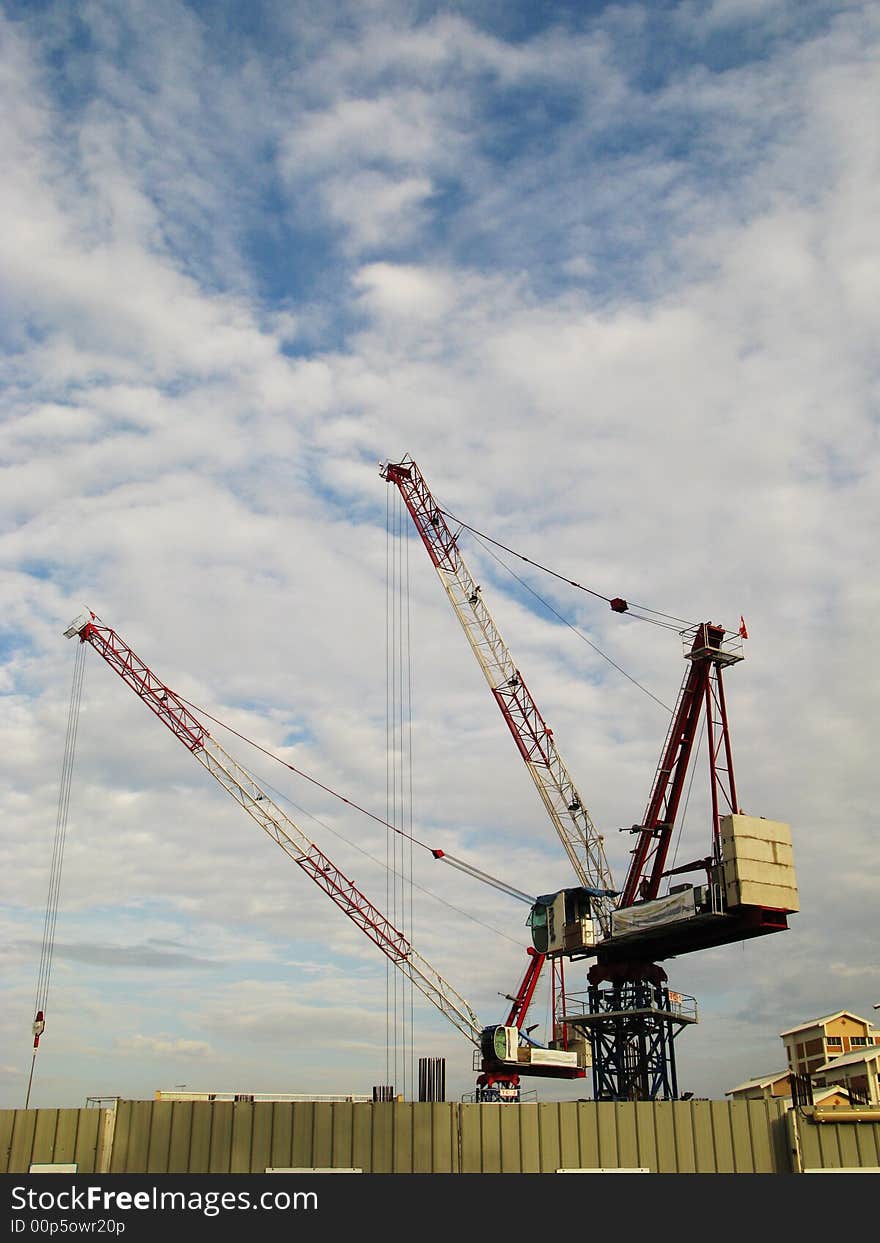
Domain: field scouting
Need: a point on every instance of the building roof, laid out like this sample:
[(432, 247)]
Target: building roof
[(764, 1081), (826, 1018), (760, 1081), (867, 1053), (822, 1094)]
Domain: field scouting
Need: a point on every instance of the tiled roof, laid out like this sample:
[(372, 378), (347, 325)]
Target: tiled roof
[(761, 1081), (867, 1053), (826, 1018)]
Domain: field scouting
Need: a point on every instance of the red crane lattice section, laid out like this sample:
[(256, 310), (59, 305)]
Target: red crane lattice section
[(702, 688), (238, 782)]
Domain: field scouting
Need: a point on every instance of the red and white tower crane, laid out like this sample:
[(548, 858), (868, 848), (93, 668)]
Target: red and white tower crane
[(750, 887), (506, 1053)]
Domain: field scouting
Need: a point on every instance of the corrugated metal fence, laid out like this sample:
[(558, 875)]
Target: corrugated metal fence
[(819, 1142), (159, 1137), (69, 1136), (676, 1137)]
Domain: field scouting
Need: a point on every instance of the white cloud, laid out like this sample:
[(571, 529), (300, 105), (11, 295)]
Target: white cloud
[(378, 210), (406, 293), (397, 129), (163, 1046), (628, 331)]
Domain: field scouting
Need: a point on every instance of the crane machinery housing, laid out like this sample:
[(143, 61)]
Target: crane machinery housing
[(748, 887), (504, 1051)]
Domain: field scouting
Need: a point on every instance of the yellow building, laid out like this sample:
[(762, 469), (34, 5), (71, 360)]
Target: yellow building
[(812, 1045), (776, 1087), (837, 1052), (858, 1071), (762, 1087)]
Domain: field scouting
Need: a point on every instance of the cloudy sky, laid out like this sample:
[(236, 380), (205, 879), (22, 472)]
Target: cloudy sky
[(610, 274)]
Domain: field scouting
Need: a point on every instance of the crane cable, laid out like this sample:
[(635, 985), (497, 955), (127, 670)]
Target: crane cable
[(613, 601), (441, 855), (398, 790), (580, 634), (464, 867), (47, 950)]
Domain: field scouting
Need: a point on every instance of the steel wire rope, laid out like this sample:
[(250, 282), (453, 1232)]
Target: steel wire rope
[(399, 817), (440, 855), (58, 843), (390, 786), (400, 802), (547, 605), (388, 774), (50, 921), (410, 825), (398, 799), (570, 581), (285, 798), (392, 759), (60, 838), (400, 761)]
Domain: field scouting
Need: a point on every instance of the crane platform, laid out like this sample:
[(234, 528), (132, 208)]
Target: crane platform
[(678, 1014), (698, 932)]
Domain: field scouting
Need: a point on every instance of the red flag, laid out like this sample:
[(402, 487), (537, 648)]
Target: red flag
[(743, 633)]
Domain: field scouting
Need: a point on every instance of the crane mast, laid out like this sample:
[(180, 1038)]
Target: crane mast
[(582, 843)]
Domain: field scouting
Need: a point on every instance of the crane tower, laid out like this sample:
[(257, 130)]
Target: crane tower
[(631, 1018)]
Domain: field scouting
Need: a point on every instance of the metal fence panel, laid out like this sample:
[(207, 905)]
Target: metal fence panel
[(50, 1137), (834, 1145), (159, 1146), (7, 1123), (161, 1137), (180, 1136), (86, 1131), (22, 1146), (647, 1136), (662, 1136), (201, 1124)]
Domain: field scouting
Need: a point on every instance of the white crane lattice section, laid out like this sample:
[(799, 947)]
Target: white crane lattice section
[(583, 844)]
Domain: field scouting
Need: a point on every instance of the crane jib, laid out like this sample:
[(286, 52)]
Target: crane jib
[(155, 694), (583, 845), (242, 786), (429, 522)]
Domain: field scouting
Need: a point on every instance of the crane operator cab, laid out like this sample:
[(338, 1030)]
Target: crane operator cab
[(562, 923)]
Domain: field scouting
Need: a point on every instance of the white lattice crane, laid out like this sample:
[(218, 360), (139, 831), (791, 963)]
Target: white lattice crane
[(582, 843), (503, 1058)]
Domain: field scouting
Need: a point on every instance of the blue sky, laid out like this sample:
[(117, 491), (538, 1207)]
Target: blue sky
[(610, 274)]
